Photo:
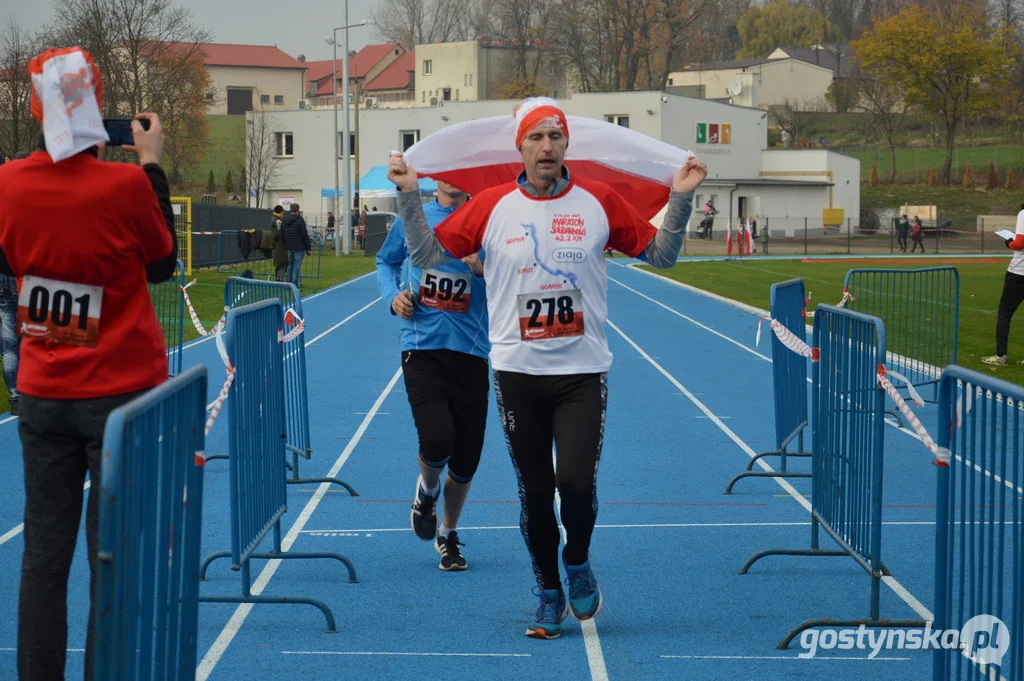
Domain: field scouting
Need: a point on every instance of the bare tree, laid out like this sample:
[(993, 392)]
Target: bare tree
[(419, 22), (888, 107), (18, 130), (259, 165), (793, 118)]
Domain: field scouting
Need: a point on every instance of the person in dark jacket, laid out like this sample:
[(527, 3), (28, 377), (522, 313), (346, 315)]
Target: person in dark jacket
[(280, 252), (296, 240)]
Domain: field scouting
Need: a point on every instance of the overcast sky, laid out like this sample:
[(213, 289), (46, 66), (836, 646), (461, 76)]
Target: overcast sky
[(297, 27)]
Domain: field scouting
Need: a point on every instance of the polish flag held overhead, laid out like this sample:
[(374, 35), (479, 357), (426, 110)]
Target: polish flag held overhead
[(474, 155)]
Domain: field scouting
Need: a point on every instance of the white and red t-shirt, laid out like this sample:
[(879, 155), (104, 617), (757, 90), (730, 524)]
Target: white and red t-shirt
[(547, 280)]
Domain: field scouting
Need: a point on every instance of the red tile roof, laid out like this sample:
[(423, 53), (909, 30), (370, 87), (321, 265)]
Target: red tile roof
[(395, 76), (261, 56), (319, 72)]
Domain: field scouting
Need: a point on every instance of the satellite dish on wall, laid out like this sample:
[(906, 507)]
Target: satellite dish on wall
[(735, 88)]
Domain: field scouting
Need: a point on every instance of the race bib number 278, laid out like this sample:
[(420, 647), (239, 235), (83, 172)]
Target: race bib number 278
[(558, 314), (59, 311)]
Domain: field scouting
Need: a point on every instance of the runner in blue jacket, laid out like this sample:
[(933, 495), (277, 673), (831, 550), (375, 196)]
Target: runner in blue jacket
[(444, 362)]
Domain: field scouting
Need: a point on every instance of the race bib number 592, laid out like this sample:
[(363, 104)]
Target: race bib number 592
[(446, 291), (59, 311), (558, 314)]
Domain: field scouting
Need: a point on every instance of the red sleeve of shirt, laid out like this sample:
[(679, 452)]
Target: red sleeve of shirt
[(148, 220), (628, 232), (1018, 243), (462, 232)]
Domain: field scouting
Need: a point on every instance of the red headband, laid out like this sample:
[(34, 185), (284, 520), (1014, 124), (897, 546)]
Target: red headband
[(536, 117)]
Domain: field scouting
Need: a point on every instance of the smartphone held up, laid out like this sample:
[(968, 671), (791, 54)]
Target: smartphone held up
[(119, 130)]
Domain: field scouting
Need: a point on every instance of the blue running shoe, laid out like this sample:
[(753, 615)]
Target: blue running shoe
[(584, 594), (552, 612)]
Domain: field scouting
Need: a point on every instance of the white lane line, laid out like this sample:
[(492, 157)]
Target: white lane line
[(786, 658), (20, 527), (918, 607), (230, 630), (444, 654)]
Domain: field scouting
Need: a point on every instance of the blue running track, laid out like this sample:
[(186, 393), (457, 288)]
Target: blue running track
[(690, 402)]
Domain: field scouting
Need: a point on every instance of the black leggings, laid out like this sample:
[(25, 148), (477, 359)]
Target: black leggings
[(570, 410), (448, 394), (1013, 295)]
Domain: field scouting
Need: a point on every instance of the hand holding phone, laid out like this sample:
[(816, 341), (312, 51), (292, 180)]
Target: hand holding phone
[(147, 138)]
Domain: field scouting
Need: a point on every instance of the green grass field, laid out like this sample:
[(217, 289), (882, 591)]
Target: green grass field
[(207, 295), (917, 163), (980, 288)]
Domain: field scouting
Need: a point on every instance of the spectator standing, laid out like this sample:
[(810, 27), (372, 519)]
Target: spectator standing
[(902, 229), (71, 376), (296, 241), (1012, 296)]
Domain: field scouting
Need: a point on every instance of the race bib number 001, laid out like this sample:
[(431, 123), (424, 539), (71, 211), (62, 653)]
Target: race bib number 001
[(446, 291), (59, 311), (558, 314)]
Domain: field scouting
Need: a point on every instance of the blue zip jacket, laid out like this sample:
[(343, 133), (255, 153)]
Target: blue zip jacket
[(432, 329)]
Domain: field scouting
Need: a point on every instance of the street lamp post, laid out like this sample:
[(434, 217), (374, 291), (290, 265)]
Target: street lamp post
[(343, 223)]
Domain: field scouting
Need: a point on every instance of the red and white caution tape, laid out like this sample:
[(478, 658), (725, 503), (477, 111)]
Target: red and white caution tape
[(195, 317), (942, 455), (788, 339), (846, 297), (290, 317), (960, 411), (914, 395), (219, 402)]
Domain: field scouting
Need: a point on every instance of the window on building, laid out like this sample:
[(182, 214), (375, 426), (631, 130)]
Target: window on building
[(670, 81), (264, 99), (456, 94), (447, 94), (285, 144), (408, 138), (278, 99), (552, 67), (209, 96), (428, 67), (424, 96), (351, 144), (471, 80), (465, 79), (617, 119)]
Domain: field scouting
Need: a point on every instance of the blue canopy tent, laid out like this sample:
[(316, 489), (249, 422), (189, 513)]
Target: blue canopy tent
[(376, 185)]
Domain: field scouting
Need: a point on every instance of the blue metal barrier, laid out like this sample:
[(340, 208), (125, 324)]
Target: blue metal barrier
[(921, 313), (979, 528), (151, 504), (169, 305), (238, 291), (846, 466), (256, 416), (789, 380)]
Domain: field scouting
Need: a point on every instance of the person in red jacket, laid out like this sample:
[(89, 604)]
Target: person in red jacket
[(84, 237)]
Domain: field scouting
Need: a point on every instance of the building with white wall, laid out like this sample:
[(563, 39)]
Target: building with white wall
[(474, 70), (247, 77), (760, 83), (744, 177)]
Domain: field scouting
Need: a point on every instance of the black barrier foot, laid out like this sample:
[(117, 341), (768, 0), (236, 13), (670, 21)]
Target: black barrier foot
[(788, 552), (332, 627), (275, 555), (209, 559), (896, 415), (765, 474), (832, 624), (314, 481), (211, 457)]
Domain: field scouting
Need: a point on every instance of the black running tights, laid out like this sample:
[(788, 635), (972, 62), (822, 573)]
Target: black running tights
[(570, 411)]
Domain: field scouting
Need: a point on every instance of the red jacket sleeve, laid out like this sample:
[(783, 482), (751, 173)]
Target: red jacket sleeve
[(462, 232), (148, 220), (628, 232)]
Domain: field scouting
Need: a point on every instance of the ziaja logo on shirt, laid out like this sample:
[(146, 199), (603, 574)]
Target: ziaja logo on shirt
[(569, 228), (569, 255)]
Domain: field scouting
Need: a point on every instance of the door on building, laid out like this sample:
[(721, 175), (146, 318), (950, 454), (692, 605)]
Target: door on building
[(239, 102)]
